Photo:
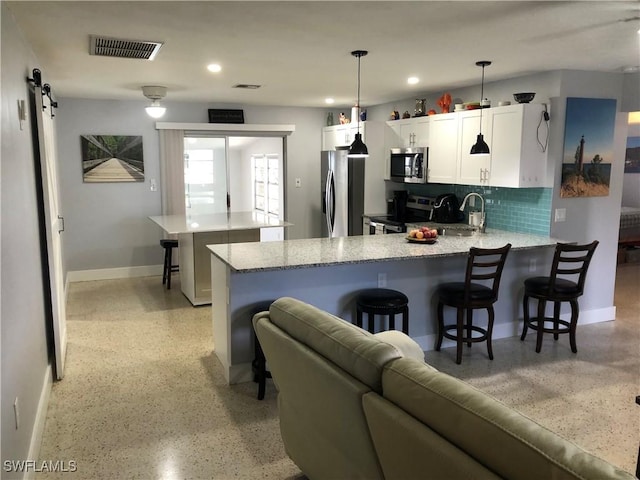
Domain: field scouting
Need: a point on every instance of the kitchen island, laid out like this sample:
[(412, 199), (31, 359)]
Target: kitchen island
[(328, 272), (195, 232)]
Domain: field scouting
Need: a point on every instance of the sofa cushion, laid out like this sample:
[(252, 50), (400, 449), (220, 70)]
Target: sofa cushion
[(405, 345), (351, 348), (503, 440)]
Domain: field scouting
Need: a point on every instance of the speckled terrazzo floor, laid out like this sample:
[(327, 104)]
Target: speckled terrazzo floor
[(144, 397)]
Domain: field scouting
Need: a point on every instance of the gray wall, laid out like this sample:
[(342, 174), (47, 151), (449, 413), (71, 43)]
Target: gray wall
[(106, 223), (24, 349)]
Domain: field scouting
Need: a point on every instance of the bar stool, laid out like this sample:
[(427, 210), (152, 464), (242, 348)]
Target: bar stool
[(382, 301), (483, 264), (571, 260), (168, 244), (259, 363)]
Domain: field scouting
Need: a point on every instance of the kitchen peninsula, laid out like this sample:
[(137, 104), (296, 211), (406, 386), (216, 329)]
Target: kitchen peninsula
[(327, 272), (195, 232)]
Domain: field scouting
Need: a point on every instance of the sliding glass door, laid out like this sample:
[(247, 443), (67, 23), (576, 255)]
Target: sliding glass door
[(233, 174)]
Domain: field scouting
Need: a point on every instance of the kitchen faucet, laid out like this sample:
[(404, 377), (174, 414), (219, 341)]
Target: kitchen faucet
[(482, 218)]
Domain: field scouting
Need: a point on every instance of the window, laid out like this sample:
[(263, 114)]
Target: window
[(266, 188)]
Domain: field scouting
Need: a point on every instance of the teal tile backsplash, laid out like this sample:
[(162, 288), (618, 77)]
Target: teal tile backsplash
[(526, 210)]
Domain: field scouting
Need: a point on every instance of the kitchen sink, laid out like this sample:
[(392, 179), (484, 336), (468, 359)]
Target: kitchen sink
[(458, 232)]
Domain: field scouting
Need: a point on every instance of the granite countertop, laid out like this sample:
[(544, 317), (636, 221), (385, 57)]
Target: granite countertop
[(216, 222), (314, 252)]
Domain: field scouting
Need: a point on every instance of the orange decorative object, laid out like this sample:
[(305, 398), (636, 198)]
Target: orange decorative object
[(444, 102), (431, 112)]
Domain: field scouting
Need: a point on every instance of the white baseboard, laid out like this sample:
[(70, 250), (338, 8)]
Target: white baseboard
[(513, 329), (41, 417), (112, 273)]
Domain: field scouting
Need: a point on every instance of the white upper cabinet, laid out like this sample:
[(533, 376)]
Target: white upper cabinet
[(341, 135), (443, 148), (411, 132), (516, 160)]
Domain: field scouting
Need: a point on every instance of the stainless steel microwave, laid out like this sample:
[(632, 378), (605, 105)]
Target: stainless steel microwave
[(408, 165)]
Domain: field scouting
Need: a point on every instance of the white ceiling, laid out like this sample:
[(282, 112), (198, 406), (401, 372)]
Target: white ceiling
[(300, 51)]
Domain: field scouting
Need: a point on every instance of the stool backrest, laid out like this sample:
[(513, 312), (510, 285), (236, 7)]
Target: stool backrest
[(485, 264), (571, 260)]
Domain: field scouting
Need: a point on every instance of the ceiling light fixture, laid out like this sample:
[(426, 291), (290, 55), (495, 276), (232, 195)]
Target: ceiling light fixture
[(329, 101), (412, 80), (155, 93), (214, 68), (481, 147), (358, 149)]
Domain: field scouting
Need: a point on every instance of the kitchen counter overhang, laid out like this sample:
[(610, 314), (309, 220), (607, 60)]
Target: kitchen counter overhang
[(323, 252)]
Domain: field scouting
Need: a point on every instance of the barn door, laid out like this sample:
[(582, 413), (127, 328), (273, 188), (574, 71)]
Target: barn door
[(54, 222)]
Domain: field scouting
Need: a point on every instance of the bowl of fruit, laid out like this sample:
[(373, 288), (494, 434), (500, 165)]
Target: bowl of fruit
[(422, 235)]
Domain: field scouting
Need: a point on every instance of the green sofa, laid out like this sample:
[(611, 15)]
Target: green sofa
[(356, 405)]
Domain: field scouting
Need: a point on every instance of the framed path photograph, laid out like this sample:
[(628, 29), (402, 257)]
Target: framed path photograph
[(112, 158), (588, 147)]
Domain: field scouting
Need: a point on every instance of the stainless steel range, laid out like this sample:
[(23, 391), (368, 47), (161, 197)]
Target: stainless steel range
[(416, 209)]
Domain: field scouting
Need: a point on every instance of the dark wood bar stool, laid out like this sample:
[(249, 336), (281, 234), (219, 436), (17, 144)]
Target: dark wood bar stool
[(382, 301), (168, 244), (259, 363), (485, 265), (569, 260)]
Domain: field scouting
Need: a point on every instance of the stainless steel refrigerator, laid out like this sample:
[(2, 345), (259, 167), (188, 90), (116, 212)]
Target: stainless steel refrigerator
[(342, 193)]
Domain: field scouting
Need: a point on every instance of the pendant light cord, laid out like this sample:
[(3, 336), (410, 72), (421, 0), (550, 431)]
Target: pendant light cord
[(481, 97), (358, 105)]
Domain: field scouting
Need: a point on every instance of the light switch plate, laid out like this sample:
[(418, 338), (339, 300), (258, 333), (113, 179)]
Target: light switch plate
[(560, 214)]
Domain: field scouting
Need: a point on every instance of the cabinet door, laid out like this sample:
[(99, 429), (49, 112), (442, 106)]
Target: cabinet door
[(331, 136), (443, 148), (506, 147), (421, 132), (474, 169), (518, 158)]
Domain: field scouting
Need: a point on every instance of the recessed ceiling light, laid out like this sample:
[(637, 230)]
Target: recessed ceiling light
[(329, 101), (214, 67), (412, 80)]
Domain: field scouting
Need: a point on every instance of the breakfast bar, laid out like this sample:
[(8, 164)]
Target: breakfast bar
[(194, 232), (328, 272)]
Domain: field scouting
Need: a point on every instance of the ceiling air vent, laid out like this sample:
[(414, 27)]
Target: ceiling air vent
[(117, 47), (248, 86)]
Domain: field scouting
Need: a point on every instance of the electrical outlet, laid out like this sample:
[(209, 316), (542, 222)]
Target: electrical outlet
[(298, 183), (16, 412), (382, 280), (532, 265), (560, 214)]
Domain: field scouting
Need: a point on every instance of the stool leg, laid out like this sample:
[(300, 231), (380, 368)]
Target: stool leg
[(540, 324), (358, 317), (170, 250), (370, 319), (440, 326), (259, 368), (164, 268), (459, 330), (556, 317), (405, 320), (469, 324), (392, 321), (490, 331), (525, 309), (575, 309)]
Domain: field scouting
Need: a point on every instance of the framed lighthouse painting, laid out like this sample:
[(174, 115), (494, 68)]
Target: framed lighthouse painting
[(588, 147)]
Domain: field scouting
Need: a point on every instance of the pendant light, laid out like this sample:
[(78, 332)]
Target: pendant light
[(358, 149), (481, 147)]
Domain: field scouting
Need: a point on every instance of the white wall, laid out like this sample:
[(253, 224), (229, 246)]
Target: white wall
[(23, 353)]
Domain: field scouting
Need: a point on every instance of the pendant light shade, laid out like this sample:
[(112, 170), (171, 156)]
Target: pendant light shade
[(358, 149), (481, 147), (155, 94)]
